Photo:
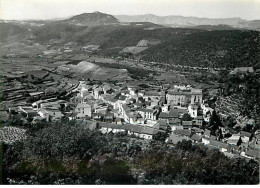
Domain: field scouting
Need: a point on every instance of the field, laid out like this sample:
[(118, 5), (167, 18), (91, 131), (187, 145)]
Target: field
[(12, 134), (85, 69)]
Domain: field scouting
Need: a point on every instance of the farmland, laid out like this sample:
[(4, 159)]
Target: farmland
[(12, 134)]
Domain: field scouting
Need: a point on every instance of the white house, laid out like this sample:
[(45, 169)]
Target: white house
[(50, 114), (193, 110), (83, 110)]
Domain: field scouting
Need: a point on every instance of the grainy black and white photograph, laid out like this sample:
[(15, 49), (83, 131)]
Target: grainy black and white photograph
[(133, 92)]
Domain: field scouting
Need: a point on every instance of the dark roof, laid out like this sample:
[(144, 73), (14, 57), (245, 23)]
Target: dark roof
[(218, 144), (197, 130), (174, 113), (152, 93), (253, 153), (149, 130), (199, 117), (175, 138), (207, 132), (196, 137), (93, 126), (243, 133), (162, 124), (182, 132), (163, 115), (187, 123), (175, 121)]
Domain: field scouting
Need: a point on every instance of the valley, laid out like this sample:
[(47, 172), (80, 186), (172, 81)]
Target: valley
[(103, 99)]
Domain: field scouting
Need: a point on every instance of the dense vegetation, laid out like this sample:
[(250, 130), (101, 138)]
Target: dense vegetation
[(228, 49), (247, 89), (56, 31), (9, 30), (194, 47), (66, 153)]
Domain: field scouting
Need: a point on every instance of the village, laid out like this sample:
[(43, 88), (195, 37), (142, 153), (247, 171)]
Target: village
[(139, 109)]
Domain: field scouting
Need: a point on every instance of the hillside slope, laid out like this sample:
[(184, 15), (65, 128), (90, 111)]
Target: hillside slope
[(8, 30), (210, 49)]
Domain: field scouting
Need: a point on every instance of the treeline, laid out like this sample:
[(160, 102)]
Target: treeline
[(67, 153)]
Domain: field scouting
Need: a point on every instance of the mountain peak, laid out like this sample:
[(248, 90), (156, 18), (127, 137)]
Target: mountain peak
[(92, 19)]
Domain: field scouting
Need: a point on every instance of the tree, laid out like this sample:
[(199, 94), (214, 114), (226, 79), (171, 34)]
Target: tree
[(160, 136), (186, 117), (214, 122)]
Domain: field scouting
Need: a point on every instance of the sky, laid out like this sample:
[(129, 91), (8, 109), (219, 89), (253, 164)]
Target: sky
[(48, 9)]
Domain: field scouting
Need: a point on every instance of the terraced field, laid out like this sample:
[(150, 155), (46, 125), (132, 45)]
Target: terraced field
[(12, 134)]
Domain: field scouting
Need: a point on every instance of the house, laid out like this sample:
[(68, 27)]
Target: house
[(233, 140), (197, 130), (148, 132), (153, 95), (72, 116), (135, 130), (196, 138), (176, 113), (175, 124), (165, 108), (133, 90), (223, 147), (205, 140), (245, 136), (180, 97), (198, 121), (252, 154), (163, 116), (98, 116), (235, 149), (83, 110), (242, 70), (182, 132), (109, 117), (28, 112), (207, 133), (50, 114), (97, 91), (173, 138), (193, 110), (187, 124), (118, 120), (147, 113), (106, 88), (110, 127), (141, 131), (93, 126), (162, 125)]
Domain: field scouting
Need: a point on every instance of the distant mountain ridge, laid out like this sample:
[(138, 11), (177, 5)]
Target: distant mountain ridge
[(189, 21)]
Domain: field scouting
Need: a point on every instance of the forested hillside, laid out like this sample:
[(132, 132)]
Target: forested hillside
[(192, 47), (9, 30), (209, 49)]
